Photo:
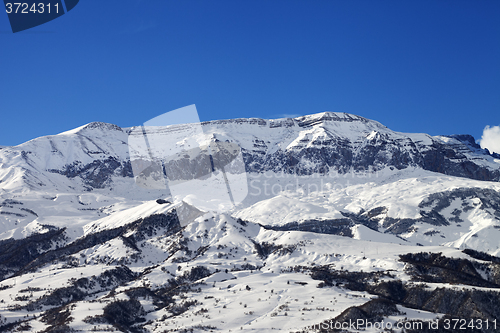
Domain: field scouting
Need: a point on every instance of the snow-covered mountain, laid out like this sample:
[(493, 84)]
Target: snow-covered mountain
[(342, 219)]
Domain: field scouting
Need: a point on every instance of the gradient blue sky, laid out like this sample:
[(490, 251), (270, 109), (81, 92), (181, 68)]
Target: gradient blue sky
[(415, 66)]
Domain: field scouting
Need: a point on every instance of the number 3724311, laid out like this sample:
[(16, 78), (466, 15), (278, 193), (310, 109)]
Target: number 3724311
[(35, 8), (463, 324)]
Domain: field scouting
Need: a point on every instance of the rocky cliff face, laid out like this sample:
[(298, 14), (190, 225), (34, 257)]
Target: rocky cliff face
[(92, 155), (341, 143)]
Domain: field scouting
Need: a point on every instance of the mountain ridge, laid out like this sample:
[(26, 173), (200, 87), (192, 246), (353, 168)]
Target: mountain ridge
[(343, 219), (302, 145)]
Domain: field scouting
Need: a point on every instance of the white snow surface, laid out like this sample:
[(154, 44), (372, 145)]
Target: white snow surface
[(270, 296)]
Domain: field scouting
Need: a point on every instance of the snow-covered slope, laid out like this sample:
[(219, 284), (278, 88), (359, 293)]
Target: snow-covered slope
[(343, 219), (418, 206), (91, 156), (94, 160)]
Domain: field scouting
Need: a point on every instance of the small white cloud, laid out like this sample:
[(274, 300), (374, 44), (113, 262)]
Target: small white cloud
[(491, 139)]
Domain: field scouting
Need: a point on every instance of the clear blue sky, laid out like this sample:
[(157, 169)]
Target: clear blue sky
[(416, 66)]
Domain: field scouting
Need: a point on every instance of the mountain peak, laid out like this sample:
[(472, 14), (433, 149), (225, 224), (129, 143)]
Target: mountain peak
[(96, 125), (323, 117), (103, 126), (300, 121), (329, 115)]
